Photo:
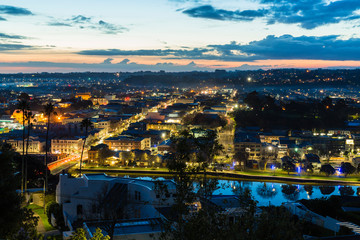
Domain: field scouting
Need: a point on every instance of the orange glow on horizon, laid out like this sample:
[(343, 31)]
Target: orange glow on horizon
[(69, 58)]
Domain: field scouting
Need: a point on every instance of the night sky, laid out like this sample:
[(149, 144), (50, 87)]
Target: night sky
[(177, 35)]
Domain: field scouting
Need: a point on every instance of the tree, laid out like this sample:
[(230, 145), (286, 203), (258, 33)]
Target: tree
[(23, 105), (309, 189), (242, 158), (254, 101), (290, 192), (104, 154), (10, 200), (308, 167), (186, 163), (346, 168), (99, 236), (288, 166), (85, 124), (49, 109), (15, 222), (346, 190), (327, 190), (277, 223), (80, 235), (266, 191), (28, 226), (327, 169), (211, 222), (53, 208), (327, 102), (28, 117)]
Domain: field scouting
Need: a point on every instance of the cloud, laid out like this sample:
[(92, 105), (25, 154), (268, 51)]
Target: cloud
[(124, 66), (11, 10), (80, 19), (145, 52), (209, 12), (312, 13), (110, 28), (289, 47), (7, 36), (330, 47), (125, 61), (83, 22), (12, 47), (308, 14), (59, 24), (108, 61)]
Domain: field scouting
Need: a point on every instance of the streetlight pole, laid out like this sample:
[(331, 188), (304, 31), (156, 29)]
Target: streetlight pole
[(44, 190)]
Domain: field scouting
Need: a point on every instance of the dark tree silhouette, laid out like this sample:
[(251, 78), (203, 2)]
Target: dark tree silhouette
[(86, 124), (346, 168), (23, 105), (327, 169)]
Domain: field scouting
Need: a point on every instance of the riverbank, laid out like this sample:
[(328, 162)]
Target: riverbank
[(261, 176)]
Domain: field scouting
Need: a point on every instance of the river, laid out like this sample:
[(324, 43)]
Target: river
[(275, 193)]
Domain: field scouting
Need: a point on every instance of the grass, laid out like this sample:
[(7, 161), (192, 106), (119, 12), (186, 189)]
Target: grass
[(40, 211), (353, 179), (127, 168), (314, 176)]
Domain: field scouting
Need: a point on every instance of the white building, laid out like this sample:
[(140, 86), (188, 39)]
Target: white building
[(89, 196), (35, 146), (66, 145), (102, 124), (128, 143)]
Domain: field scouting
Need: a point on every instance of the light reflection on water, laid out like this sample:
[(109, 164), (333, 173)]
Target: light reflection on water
[(277, 193), (266, 193)]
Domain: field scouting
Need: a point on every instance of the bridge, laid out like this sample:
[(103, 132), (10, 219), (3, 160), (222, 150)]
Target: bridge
[(64, 163)]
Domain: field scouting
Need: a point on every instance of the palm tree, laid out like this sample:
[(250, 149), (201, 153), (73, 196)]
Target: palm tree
[(23, 105), (49, 109), (85, 124), (28, 117)]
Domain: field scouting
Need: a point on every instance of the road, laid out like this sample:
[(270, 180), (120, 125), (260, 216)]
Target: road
[(67, 162), (64, 163)]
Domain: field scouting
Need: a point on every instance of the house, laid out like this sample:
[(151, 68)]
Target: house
[(94, 152), (101, 123), (99, 101), (67, 145), (249, 143), (229, 205), (314, 160), (128, 143), (83, 96), (164, 147), (35, 145), (175, 127), (144, 229), (93, 196)]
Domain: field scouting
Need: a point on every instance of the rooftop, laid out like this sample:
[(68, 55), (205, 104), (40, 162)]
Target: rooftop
[(128, 227)]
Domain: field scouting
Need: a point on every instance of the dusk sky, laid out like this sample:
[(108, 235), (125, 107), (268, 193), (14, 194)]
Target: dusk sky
[(177, 35)]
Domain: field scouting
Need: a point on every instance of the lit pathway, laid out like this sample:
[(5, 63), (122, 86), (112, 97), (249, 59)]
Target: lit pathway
[(40, 228)]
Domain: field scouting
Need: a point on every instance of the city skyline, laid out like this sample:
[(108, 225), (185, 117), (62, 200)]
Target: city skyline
[(177, 35)]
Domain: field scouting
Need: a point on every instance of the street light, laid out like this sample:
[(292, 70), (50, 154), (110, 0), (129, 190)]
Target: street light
[(273, 168)]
